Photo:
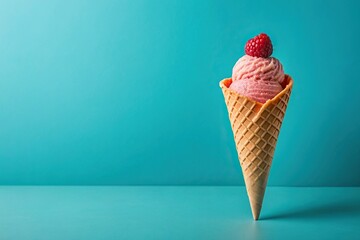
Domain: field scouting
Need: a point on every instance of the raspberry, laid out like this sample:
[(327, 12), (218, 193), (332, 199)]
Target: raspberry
[(259, 46)]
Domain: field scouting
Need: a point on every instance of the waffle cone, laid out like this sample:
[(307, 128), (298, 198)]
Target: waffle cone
[(256, 128)]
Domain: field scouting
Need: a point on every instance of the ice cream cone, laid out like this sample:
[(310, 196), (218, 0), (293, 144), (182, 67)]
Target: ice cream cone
[(256, 128)]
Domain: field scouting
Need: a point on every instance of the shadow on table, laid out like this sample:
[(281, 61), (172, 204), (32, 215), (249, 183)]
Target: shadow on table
[(327, 210)]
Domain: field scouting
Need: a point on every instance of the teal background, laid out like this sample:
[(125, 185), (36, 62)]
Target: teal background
[(126, 92), (176, 212)]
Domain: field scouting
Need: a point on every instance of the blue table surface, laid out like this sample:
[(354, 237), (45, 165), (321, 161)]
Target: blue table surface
[(72, 212)]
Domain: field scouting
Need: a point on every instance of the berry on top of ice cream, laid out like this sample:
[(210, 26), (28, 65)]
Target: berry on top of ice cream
[(259, 46), (257, 75)]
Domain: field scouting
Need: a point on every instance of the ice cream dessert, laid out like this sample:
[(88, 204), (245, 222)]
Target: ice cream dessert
[(257, 75), (256, 98)]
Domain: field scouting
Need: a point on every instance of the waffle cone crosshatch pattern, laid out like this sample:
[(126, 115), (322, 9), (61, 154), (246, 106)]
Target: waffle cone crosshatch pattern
[(256, 129)]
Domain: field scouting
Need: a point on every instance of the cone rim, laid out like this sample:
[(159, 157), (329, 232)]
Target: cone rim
[(225, 83)]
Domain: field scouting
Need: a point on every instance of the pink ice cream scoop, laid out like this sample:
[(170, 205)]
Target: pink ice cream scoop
[(259, 90), (257, 75)]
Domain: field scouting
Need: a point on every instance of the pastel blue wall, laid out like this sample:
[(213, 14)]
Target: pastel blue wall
[(126, 92)]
